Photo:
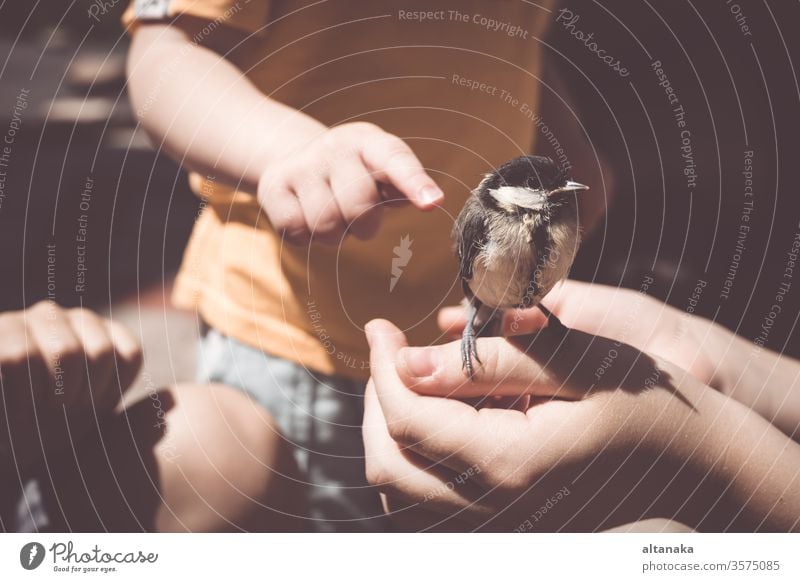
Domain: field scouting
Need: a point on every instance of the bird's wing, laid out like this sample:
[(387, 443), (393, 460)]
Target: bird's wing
[(470, 235)]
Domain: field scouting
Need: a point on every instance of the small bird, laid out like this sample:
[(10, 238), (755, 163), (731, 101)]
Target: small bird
[(515, 238)]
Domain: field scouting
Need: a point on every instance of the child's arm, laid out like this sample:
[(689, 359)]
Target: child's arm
[(201, 109)]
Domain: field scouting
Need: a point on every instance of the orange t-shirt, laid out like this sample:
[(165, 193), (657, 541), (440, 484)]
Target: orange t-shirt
[(457, 80)]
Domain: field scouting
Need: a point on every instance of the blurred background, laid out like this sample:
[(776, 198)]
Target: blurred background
[(677, 213), (78, 152)]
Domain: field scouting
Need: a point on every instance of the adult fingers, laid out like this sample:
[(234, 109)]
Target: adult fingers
[(98, 357), (551, 363), (406, 476), (439, 429), (505, 369), (586, 306), (127, 353), (453, 320), (62, 351)]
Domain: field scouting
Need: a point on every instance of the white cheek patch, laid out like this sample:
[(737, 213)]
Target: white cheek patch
[(512, 197)]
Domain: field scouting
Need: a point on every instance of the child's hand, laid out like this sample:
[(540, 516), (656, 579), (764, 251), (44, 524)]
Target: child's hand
[(336, 186)]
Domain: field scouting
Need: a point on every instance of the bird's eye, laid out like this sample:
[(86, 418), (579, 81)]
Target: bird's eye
[(532, 183)]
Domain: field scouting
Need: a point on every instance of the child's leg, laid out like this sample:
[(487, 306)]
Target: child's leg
[(188, 458), (320, 417)]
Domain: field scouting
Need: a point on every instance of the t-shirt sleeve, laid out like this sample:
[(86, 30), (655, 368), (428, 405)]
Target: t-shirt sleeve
[(247, 15)]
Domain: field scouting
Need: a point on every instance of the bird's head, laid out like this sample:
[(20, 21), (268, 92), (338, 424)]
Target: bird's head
[(530, 183)]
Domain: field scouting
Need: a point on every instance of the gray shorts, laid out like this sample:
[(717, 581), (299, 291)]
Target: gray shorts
[(319, 416)]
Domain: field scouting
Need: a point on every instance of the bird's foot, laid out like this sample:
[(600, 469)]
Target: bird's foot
[(469, 352)]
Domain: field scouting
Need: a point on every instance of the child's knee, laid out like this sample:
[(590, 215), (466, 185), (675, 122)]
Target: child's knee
[(223, 463)]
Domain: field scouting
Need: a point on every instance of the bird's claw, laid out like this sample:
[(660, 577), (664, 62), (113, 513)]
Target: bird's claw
[(469, 351)]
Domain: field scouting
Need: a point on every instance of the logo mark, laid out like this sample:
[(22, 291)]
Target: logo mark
[(31, 555), (402, 255)]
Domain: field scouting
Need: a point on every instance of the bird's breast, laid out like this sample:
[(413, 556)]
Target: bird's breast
[(502, 268), (505, 271)]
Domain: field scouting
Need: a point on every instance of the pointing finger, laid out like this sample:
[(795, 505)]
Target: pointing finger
[(391, 161)]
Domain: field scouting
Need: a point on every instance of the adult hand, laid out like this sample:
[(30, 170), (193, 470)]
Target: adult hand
[(338, 183), (692, 343), (758, 378), (643, 440), (58, 369)]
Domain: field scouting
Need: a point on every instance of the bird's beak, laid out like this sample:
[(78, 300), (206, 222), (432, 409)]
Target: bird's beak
[(569, 187)]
